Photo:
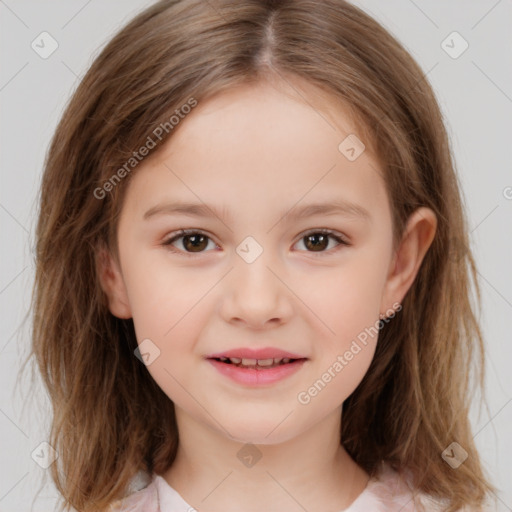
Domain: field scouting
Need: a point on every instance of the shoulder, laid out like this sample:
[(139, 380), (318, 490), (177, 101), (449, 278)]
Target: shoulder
[(142, 496), (390, 491), (156, 496)]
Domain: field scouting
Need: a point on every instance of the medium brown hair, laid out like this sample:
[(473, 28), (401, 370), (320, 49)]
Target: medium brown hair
[(110, 419)]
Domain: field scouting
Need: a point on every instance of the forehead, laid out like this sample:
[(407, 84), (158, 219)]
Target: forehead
[(262, 145), (276, 114)]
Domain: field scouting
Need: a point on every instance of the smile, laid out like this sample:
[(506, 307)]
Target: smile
[(256, 372), (259, 364)]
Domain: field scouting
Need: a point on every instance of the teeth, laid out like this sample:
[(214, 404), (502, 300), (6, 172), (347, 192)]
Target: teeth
[(256, 362), (265, 362)]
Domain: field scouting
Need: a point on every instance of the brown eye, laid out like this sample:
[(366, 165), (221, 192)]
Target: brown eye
[(318, 241), (191, 242), (195, 243)]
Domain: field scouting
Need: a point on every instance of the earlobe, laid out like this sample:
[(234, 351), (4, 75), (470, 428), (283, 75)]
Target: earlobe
[(418, 236), (112, 283)]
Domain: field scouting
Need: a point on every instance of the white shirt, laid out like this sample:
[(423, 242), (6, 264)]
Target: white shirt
[(387, 492)]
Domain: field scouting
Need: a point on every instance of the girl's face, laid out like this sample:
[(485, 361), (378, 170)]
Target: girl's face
[(256, 271)]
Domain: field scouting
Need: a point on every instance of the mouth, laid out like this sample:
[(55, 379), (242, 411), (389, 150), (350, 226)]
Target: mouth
[(251, 372), (257, 364)]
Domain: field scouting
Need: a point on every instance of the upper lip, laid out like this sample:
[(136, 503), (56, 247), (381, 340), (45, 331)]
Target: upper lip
[(256, 353)]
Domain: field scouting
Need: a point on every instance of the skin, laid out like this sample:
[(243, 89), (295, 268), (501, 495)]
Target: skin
[(255, 152)]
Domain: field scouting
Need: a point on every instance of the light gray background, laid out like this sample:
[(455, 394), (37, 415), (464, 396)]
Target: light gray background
[(475, 94)]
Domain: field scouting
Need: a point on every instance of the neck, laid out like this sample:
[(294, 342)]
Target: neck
[(312, 471)]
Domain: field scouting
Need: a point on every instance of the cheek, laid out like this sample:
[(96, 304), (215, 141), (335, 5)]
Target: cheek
[(346, 299), (170, 307), (344, 349), (163, 296)]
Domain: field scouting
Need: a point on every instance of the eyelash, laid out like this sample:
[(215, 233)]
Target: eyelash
[(341, 240)]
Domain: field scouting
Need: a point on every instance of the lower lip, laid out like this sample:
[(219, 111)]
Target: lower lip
[(253, 377)]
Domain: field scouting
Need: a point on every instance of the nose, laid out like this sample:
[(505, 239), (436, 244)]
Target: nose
[(256, 294)]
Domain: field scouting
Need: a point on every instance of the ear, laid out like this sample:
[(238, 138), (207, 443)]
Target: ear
[(112, 283), (417, 238)]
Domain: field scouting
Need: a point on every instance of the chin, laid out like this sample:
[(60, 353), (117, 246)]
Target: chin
[(261, 432)]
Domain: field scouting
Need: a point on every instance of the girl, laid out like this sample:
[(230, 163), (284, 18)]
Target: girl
[(253, 283)]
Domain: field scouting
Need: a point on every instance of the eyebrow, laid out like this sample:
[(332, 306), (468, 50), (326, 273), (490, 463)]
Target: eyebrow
[(337, 207)]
